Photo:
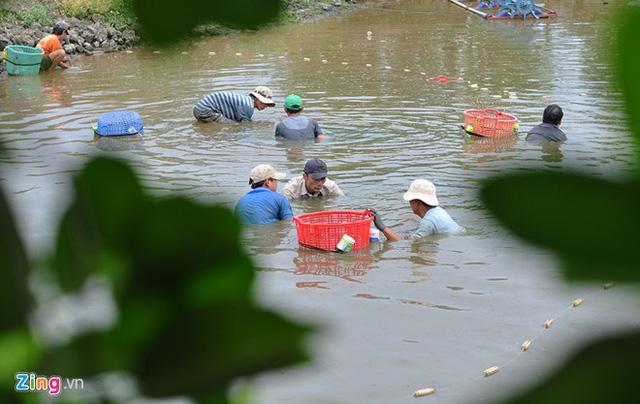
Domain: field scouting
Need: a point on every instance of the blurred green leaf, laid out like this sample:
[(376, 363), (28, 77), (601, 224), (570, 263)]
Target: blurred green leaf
[(188, 324), (590, 223), (604, 372), (19, 353), (108, 203), (203, 350), (178, 239), (628, 63), (15, 300), (166, 21)]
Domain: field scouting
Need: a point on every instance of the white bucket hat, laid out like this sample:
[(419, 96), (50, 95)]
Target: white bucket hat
[(263, 94), (422, 190), (264, 172)]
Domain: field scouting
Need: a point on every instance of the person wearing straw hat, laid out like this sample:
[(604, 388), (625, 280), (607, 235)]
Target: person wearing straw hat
[(51, 44), (297, 126), (227, 106), (263, 204), (423, 200), (313, 182)]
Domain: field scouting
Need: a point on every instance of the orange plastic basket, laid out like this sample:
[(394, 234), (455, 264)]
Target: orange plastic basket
[(489, 122), (324, 230)]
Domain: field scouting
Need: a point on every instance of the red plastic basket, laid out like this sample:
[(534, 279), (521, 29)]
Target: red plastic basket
[(489, 122), (324, 230)]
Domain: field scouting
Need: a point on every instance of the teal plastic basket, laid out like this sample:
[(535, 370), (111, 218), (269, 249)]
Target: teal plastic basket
[(22, 60)]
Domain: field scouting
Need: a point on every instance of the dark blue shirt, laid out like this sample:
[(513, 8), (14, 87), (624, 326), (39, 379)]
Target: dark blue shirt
[(263, 206), (546, 132), (298, 127)]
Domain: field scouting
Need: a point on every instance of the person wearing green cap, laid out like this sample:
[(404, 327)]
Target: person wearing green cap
[(297, 126)]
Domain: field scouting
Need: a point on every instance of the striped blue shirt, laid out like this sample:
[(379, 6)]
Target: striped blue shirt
[(234, 106)]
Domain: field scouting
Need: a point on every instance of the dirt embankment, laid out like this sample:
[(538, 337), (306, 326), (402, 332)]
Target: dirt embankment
[(25, 23)]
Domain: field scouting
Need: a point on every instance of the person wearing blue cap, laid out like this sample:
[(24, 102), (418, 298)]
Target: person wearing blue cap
[(297, 126)]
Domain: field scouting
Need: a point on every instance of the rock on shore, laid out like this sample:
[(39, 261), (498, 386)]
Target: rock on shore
[(84, 36)]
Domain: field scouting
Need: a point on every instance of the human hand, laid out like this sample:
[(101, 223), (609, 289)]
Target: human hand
[(377, 220)]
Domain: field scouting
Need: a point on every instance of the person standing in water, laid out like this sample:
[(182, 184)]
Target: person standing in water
[(423, 201), (297, 126)]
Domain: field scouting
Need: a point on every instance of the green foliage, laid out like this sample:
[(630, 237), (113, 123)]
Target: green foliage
[(627, 64), (187, 323), (82, 8), (165, 21), (19, 352), (14, 295), (38, 13), (605, 372), (562, 212), (17, 348), (6, 15), (119, 12)]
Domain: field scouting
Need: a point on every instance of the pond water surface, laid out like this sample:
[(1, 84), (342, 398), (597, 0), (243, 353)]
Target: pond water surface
[(398, 316)]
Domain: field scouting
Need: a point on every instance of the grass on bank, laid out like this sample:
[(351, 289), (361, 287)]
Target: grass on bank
[(118, 12), (37, 13), (115, 11)]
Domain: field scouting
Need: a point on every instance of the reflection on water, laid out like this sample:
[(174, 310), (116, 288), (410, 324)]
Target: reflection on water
[(552, 152), (408, 301), (119, 143), (22, 88), (479, 144), (388, 126), (348, 266)]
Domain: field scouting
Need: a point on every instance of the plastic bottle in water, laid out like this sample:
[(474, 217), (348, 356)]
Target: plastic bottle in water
[(374, 235)]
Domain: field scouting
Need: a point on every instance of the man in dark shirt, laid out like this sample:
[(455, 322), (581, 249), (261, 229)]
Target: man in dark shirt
[(297, 126), (549, 129)]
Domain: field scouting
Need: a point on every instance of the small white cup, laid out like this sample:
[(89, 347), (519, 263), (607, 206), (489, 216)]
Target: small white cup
[(346, 243)]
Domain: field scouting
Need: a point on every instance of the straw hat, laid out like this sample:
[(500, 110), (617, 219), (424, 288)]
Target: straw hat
[(263, 172), (263, 94), (422, 190)]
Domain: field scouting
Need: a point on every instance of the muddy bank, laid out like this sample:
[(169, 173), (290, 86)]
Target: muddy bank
[(96, 34)]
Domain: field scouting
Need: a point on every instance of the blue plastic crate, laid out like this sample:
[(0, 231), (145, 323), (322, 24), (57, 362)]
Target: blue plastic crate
[(119, 123)]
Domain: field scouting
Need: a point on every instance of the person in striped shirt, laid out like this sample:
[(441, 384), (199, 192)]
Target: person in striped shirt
[(227, 106)]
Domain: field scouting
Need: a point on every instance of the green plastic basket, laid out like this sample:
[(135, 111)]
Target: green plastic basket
[(22, 60)]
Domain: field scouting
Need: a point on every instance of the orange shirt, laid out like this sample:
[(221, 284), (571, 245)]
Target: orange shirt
[(49, 43)]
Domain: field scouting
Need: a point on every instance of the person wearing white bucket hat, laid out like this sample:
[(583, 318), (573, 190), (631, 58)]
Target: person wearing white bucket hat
[(423, 200), (263, 204), (226, 106)]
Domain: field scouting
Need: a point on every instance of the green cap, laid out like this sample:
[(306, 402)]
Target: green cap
[(293, 103)]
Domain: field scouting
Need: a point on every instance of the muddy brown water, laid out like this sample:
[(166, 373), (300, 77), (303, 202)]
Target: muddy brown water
[(398, 316)]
